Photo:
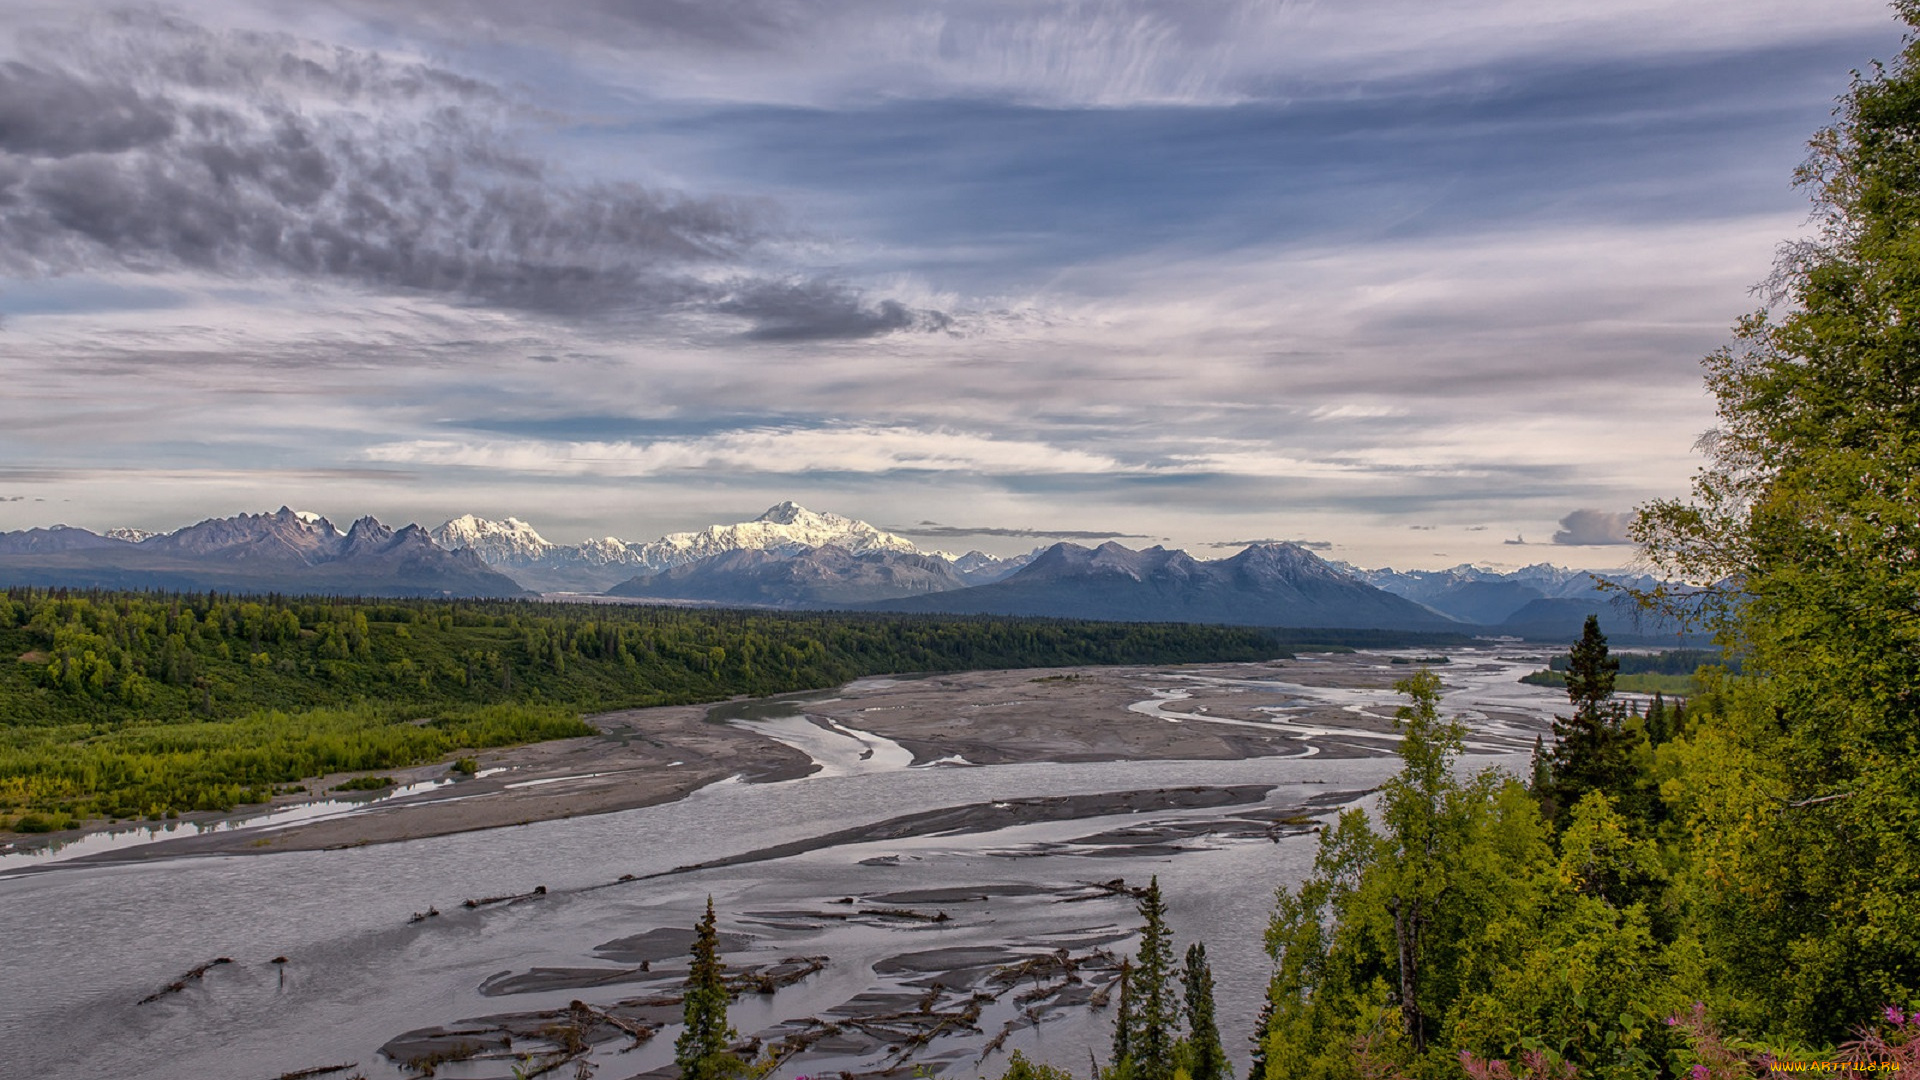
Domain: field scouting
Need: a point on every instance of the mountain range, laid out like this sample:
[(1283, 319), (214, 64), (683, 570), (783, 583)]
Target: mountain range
[(828, 576), (785, 530), (285, 551), (792, 557), (1533, 602), (1264, 585)]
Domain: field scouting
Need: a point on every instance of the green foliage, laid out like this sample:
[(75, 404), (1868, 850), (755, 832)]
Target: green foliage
[(1593, 750), (1156, 1016), (135, 705), (1641, 683), (1125, 1022), (1458, 926), (703, 1050), (145, 770), (1665, 662), (365, 783), (1201, 1055), (1020, 1068), (1800, 787)]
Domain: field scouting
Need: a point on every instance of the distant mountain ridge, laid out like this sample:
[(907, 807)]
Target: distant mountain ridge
[(1538, 601), (786, 529), (285, 551), (828, 576), (792, 557), (1264, 585)]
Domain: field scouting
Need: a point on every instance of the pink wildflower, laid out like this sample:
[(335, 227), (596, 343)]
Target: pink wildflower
[(1699, 1072), (1895, 1016)]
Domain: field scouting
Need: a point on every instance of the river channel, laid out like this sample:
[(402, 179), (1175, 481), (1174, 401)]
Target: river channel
[(328, 962)]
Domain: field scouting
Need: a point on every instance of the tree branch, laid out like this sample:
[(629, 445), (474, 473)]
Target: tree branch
[(1821, 799)]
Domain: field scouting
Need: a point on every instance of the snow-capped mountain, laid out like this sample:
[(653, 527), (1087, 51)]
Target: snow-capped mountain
[(312, 518), (285, 551), (818, 577), (785, 529), (1541, 600), (498, 543), (131, 536), (979, 568)]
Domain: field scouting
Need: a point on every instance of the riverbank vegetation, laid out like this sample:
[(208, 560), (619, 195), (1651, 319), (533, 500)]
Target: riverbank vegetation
[(139, 705)]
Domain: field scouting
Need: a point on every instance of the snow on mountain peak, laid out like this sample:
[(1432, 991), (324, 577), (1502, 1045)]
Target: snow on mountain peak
[(510, 542), (785, 528)]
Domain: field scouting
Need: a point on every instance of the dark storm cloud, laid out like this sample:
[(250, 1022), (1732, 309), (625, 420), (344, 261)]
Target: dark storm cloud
[(54, 114), (821, 310), (929, 529), (1594, 527), (237, 154)]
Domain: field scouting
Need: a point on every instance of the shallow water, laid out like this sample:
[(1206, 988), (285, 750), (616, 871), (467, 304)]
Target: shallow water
[(86, 942), (29, 854)]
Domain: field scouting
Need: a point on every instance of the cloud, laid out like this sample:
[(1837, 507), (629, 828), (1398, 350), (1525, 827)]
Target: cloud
[(815, 310), (153, 145), (1358, 412), (930, 529), (1594, 527), (1310, 545), (56, 114), (1090, 53), (787, 451)]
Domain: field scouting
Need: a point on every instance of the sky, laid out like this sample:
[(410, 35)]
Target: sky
[(1415, 284)]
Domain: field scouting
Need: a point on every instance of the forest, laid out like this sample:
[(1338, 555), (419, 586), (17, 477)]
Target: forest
[(140, 705)]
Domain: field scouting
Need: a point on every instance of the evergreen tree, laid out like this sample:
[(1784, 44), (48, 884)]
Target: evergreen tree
[(1156, 1018), (1204, 1057), (1592, 751), (1123, 1026), (1657, 729), (1257, 1063), (702, 1050)]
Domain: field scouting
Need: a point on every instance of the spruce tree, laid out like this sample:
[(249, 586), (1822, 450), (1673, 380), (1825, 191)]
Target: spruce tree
[(1205, 1058), (702, 1051), (1591, 752), (1155, 1014), (1123, 1026), (1257, 1064), (1657, 732)]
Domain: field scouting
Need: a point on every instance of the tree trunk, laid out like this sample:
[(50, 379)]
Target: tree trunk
[(1406, 932)]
